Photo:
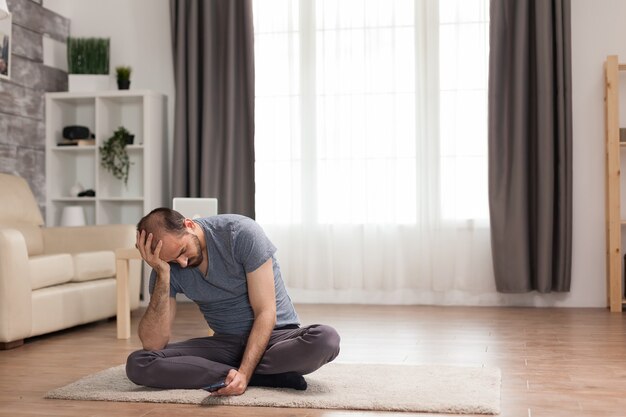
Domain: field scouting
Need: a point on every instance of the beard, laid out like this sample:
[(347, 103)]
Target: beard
[(196, 260)]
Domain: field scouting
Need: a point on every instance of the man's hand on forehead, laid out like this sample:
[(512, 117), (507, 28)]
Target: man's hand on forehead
[(146, 237), (150, 249)]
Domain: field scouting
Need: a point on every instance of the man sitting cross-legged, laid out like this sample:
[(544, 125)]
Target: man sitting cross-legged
[(226, 265)]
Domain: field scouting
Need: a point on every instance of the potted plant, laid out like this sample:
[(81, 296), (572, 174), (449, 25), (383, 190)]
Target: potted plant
[(113, 155), (123, 77), (88, 63)]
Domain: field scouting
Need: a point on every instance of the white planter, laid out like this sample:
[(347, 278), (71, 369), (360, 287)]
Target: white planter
[(88, 83)]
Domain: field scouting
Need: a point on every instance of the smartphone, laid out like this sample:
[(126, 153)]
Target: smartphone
[(214, 387)]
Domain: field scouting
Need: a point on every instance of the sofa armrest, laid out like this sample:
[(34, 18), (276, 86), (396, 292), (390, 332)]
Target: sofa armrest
[(88, 238), (15, 287)]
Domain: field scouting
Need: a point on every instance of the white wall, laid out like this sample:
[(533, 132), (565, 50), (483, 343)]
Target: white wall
[(140, 37), (598, 30)]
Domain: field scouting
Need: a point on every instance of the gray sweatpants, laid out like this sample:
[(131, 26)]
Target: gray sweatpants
[(197, 363)]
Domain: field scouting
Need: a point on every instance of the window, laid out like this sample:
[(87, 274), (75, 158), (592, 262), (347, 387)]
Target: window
[(371, 111)]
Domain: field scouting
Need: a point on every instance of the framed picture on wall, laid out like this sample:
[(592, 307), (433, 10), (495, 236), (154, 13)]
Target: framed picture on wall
[(5, 47)]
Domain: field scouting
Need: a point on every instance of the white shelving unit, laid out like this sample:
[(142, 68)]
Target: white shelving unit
[(142, 112)]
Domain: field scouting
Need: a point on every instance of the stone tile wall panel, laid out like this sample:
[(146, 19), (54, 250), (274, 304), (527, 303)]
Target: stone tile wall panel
[(22, 98)]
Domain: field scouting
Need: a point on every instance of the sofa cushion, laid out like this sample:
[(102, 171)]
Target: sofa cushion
[(48, 270), (93, 265), (67, 305), (31, 232)]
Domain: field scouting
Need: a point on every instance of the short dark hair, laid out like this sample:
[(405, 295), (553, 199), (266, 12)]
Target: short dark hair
[(162, 220)]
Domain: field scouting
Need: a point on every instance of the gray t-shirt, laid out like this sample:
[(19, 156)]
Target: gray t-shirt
[(235, 245)]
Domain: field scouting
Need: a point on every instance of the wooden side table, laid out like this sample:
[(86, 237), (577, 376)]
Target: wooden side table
[(122, 260)]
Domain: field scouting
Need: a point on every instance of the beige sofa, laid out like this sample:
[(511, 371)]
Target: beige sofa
[(52, 278)]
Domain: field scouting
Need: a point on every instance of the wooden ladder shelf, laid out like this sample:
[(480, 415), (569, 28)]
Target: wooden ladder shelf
[(614, 222)]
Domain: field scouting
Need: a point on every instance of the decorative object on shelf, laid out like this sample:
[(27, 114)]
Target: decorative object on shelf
[(73, 216), (76, 189), (76, 132), (88, 55), (622, 134), (77, 142), (5, 40), (77, 136), (123, 77), (114, 157), (87, 193), (88, 64)]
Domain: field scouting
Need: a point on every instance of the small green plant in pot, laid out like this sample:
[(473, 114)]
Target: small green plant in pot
[(113, 155), (123, 77)]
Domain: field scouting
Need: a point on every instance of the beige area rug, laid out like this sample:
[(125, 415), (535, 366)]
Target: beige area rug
[(426, 388)]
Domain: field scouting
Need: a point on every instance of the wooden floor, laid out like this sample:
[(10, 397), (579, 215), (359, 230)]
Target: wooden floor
[(555, 362)]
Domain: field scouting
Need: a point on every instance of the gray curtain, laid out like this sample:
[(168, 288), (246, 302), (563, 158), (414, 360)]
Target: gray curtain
[(213, 49), (530, 145)]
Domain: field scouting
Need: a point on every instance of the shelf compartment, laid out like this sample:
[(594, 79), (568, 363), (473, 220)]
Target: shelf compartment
[(56, 209), (126, 111), (120, 211), (111, 187), (68, 169), (68, 111)]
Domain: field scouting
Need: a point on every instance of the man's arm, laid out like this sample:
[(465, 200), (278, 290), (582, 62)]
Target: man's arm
[(263, 301), (156, 324)]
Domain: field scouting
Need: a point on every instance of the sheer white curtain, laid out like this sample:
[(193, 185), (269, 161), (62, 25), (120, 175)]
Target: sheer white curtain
[(371, 168)]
